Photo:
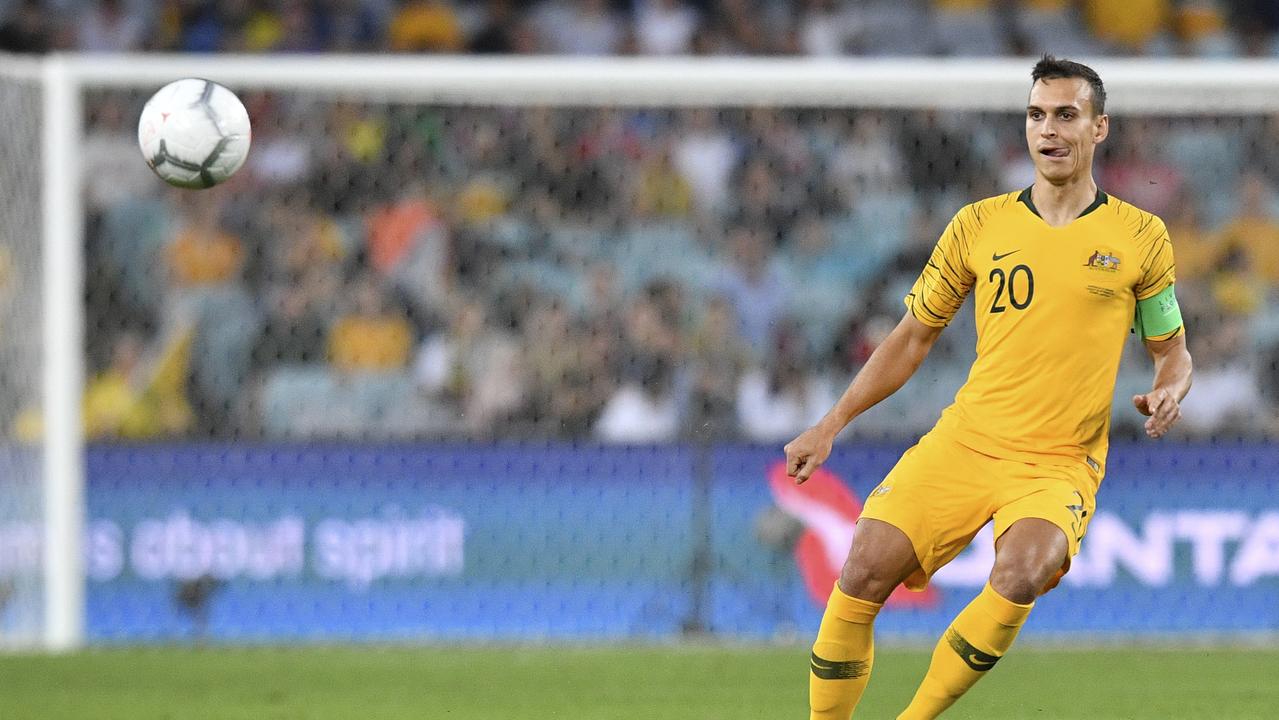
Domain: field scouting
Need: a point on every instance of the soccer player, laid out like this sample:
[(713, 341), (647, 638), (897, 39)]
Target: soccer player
[(1060, 271)]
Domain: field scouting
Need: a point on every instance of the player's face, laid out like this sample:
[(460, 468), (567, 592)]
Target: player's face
[(1061, 130)]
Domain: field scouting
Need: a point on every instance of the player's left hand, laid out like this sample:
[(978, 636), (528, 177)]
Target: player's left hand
[(1162, 408)]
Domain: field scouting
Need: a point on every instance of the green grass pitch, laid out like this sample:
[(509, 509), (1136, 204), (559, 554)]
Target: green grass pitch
[(663, 682)]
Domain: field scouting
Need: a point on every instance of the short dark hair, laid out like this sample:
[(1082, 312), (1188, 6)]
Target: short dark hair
[(1051, 68)]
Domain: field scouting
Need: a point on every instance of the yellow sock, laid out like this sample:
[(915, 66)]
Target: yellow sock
[(842, 656), (974, 642)]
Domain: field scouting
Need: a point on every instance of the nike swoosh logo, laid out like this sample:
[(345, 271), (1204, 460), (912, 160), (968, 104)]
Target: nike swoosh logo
[(838, 670), (997, 257), (974, 658), (979, 663)]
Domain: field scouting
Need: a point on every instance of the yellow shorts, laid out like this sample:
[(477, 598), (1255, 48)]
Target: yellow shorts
[(941, 493)]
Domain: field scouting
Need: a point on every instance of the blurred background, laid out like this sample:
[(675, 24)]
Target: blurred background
[(524, 372)]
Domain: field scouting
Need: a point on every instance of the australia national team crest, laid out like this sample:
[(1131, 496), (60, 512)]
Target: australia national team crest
[(1103, 260)]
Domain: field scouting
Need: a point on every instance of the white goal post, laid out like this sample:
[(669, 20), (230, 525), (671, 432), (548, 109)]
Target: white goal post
[(1136, 87)]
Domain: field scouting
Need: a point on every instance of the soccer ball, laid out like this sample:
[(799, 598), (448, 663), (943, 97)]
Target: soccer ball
[(194, 133)]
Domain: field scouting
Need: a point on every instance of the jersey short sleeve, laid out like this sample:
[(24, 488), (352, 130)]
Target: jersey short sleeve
[(1158, 271), (1156, 296), (947, 278)]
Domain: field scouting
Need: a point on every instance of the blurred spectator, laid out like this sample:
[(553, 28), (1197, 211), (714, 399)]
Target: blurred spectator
[(203, 253), (939, 156), (778, 401), (167, 18), (29, 29), (668, 298), (603, 149), (781, 149), (1201, 27), (426, 26), (1136, 172), (969, 27), (660, 190), (141, 395), (373, 336), (281, 154), (1131, 26), (652, 328), (1262, 141), (302, 287), (598, 301), (717, 359), (347, 178), (360, 131), (580, 27), (753, 284), (587, 382), (706, 155), (1254, 231), (473, 368), (1258, 21), (644, 409), (761, 198), (109, 158), (711, 37), (867, 157), (354, 25), (1051, 26), (1196, 250), (109, 26), (202, 25), (408, 243), (576, 167), (1227, 390), (290, 26), (297, 318), (482, 200), (818, 278), (856, 341), (570, 367), (550, 351), (1235, 287), (753, 27), (829, 28), (665, 27), (505, 31), (895, 27), (206, 262)]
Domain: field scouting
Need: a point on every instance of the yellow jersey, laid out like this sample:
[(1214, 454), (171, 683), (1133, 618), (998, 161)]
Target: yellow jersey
[(1054, 305)]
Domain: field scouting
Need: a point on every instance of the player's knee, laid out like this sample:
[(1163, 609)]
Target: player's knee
[(1027, 558), (867, 579), (1022, 579), (1015, 586), (881, 557)]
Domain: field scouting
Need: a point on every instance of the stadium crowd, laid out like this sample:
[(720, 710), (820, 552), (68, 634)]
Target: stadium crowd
[(389, 271), (400, 271), (1205, 28)]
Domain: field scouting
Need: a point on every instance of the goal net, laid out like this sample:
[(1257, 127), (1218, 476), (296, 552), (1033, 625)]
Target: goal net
[(22, 587), (429, 269)]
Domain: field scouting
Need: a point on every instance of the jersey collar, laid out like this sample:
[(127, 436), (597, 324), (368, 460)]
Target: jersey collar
[(1096, 203)]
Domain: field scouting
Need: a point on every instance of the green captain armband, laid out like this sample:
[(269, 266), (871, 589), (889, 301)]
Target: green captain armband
[(1158, 315)]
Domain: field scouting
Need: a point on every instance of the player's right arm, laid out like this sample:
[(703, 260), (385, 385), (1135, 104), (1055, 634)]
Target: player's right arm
[(1158, 320), (889, 367), (932, 302)]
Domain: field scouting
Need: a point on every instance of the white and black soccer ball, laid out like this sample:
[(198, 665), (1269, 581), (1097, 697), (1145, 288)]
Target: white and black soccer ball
[(194, 133)]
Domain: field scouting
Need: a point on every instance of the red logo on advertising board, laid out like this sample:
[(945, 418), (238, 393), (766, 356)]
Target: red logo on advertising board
[(828, 510)]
